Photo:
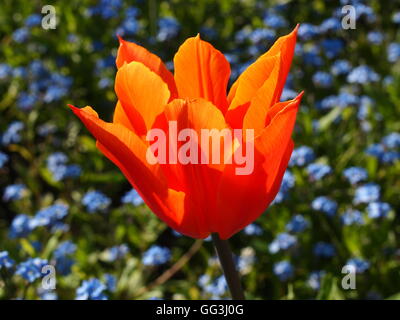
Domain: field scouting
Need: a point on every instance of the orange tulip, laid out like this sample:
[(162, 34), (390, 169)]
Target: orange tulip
[(199, 199)]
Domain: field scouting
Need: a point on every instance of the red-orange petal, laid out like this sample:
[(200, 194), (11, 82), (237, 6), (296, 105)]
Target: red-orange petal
[(129, 51), (257, 73), (242, 199), (201, 71), (198, 181), (252, 79), (142, 94), (285, 46), (128, 151), (121, 117)]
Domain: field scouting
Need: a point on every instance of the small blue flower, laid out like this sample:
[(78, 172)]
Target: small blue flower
[(20, 226), (26, 101), (5, 260), (5, 71), (301, 156), (31, 269), (396, 17), (91, 289), (49, 216), (12, 133), (297, 224), (203, 280), (57, 165), (375, 37), (311, 57), (287, 183), (156, 255), (324, 250), (253, 230), (284, 270), (128, 27), (332, 47), (20, 35), (325, 204), (376, 150), (274, 21), (217, 288), (342, 100), (47, 295), (64, 249), (340, 67), (132, 12), (261, 34), (64, 265), (355, 174), (307, 31), (366, 11), (317, 171), (288, 94), (33, 20), (117, 252), (110, 282), (351, 217), (168, 28), (106, 62), (14, 192), (392, 140), (378, 210), (359, 264), (393, 52), (54, 93), (46, 129), (314, 280), (95, 201), (367, 193), (3, 159), (107, 9), (283, 241), (330, 24), (104, 83), (362, 75), (62, 255), (322, 79), (132, 197)]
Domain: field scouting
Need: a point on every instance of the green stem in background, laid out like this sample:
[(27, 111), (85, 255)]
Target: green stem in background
[(228, 266)]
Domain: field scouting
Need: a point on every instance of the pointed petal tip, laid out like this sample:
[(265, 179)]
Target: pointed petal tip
[(295, 30), (120, 40), (73, 108)]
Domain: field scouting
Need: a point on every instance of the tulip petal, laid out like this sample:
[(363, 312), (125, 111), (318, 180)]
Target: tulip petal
[(129, 51), (252, 79), (277, 107), (121, 117), (128, 152), (201, 71), (285, 46), (198, 180), (242, 91), (262, 100), (142, 94), (272, 153)]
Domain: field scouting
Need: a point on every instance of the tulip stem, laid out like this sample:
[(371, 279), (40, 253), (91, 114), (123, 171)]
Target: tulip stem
[(228, 266)]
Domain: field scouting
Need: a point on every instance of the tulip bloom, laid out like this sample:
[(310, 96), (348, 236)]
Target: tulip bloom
[(199, 199)]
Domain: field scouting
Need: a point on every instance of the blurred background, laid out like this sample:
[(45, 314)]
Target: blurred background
[(63, 203)]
